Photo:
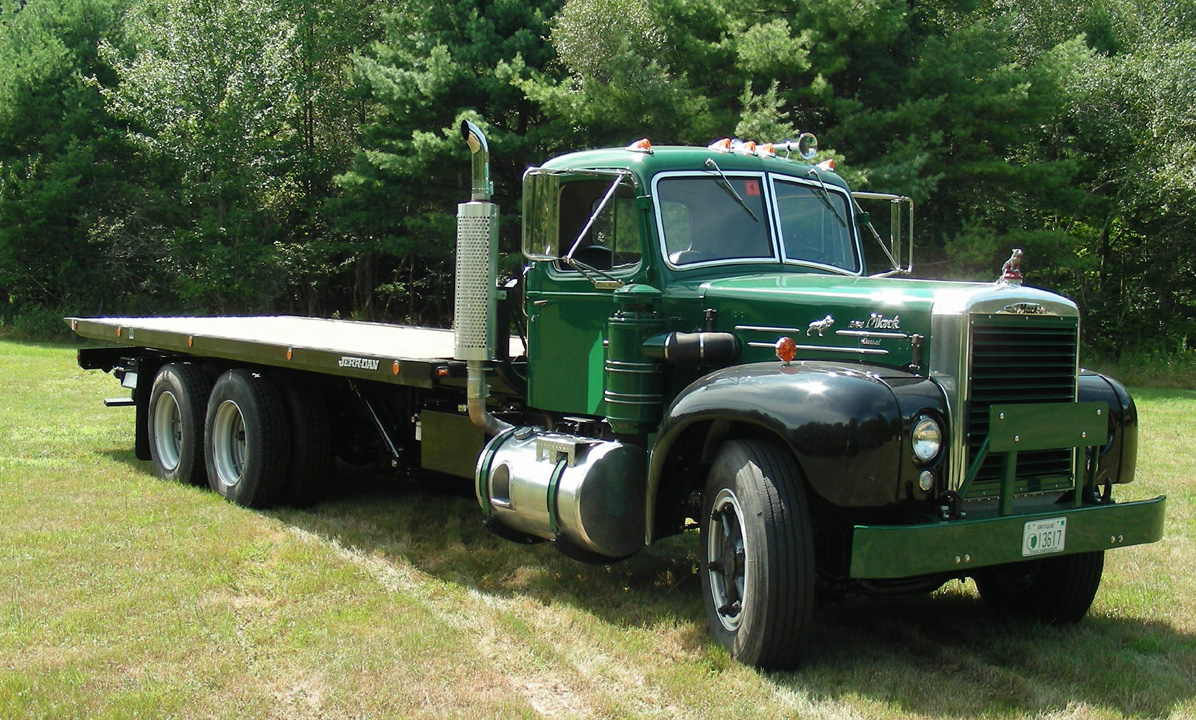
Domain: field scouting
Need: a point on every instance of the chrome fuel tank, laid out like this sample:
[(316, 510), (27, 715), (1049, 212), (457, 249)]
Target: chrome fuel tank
[(552, 485)]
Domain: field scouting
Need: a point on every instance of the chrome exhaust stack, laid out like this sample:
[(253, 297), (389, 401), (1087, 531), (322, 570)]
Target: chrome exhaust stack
[(475, 296)]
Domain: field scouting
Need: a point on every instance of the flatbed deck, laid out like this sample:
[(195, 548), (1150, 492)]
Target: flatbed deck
[(401, 354)]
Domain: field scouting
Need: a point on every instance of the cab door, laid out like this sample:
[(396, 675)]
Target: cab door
[(597, 245)]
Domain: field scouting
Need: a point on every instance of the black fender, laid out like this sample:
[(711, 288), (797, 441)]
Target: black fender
[(1119, 456), (845, 425)]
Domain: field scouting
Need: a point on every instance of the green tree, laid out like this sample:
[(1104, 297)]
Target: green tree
[(62, 246), (244, 110), (1124, 72), (437, 63)]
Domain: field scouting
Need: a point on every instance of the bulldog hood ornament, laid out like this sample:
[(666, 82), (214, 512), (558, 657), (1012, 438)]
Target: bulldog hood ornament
[(1011, 272)]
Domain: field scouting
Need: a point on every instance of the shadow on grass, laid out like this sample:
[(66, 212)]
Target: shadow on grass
[(939, 656), (949, 656)]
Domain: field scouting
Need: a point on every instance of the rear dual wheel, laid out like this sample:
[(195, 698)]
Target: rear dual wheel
[(248, 439), (175, 422)]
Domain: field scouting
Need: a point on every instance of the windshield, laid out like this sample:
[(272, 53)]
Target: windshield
[(713, 217), (814, 225)]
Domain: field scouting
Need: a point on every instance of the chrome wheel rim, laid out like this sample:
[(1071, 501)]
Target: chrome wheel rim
[(168, 430), (726, 553), (228, 443)]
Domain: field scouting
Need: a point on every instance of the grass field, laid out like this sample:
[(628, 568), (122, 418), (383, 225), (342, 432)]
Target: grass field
[(128, 597)]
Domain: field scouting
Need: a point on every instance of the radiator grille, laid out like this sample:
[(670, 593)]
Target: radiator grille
[(1019, 359)]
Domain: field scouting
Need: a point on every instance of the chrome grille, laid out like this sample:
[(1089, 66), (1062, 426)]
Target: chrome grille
[(1019, 359)]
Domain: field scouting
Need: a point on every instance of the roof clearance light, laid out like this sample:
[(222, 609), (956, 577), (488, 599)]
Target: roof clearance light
[(827, 165), (642, 145), (722, 146), (748, 147), (766, 150)]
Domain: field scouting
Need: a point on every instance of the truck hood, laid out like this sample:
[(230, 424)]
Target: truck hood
[(887, 321)]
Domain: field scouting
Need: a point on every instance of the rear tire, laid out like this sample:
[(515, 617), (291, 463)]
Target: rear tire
[(310, 463), (1054, 591), (757, 555), (178, 404), (248, 440)]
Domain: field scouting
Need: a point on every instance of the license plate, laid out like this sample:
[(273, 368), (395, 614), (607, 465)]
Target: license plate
[(1042, 537)]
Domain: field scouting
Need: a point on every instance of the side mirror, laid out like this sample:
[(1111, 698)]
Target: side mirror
[(541, 219)]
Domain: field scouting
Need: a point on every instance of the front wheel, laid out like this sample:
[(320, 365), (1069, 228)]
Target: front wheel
[(757, 554), (1055, 590)]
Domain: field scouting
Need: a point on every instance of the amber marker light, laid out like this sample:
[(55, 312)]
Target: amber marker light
[(827, 165), (119, 331), (786, 350), (722, 146), (642, 145), (290, 353), (190, 341), (442, 371), (394, 368)]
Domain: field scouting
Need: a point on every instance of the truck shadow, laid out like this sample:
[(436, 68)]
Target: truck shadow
[(944, 655)]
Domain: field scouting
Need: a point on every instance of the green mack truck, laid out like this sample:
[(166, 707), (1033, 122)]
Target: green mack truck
[(697, 339)]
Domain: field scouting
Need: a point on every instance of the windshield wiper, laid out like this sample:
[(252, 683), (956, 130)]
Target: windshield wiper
[(726, 185), (826, 197)]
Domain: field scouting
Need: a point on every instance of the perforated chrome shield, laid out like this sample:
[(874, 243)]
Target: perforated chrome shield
[(477, 260)]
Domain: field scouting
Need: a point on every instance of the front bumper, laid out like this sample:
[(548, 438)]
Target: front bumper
[(958, 546)]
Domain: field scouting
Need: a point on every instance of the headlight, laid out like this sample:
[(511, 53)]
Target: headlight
[(926, 439)]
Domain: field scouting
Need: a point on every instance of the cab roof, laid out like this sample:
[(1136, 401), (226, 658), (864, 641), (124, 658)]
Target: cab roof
[(671, 158)]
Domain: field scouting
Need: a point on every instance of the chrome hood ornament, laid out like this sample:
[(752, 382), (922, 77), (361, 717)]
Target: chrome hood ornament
[(1011, 272)]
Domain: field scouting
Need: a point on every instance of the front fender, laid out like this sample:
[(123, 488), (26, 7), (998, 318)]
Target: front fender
[(843, 424), (1119, 456)]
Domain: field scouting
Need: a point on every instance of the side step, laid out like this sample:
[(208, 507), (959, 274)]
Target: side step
[(119, 402)]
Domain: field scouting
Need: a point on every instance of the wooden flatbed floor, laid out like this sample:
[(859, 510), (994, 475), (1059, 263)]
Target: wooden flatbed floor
[(376, 351)]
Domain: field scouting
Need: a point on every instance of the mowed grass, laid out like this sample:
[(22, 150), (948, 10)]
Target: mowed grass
[(125, 596)]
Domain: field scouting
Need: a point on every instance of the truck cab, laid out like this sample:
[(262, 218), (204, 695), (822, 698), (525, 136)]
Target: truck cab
[(828, 425)]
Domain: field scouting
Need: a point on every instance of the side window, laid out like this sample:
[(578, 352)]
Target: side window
[(612, 241)]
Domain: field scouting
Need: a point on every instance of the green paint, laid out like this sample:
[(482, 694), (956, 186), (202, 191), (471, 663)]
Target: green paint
[(958, 546)]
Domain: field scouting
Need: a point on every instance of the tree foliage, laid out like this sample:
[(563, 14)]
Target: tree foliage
[(238, 155)]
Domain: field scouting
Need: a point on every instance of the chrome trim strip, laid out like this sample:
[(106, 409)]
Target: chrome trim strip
[(761, 328), (873, 334), (825, 348)]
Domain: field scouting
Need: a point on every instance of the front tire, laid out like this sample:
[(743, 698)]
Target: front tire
[(175, 422), (757, 555), (248, 440), (1054, 591)]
